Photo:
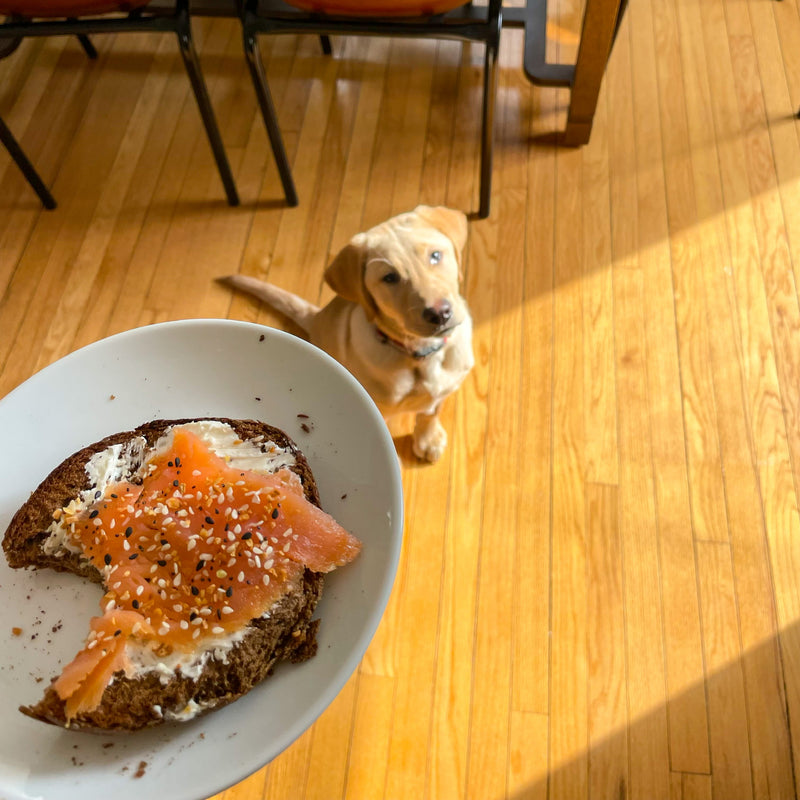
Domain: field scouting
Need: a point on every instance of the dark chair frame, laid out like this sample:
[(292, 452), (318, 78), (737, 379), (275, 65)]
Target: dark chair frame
[(481, 24), (174, 19)]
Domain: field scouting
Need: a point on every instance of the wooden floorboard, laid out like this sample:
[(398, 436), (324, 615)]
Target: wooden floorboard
[(598, 594)]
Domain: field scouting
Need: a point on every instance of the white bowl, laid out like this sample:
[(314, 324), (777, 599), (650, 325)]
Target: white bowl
[(191, 368)]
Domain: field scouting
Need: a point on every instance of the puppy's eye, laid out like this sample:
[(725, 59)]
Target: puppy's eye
[(436, 256), (391, 277)]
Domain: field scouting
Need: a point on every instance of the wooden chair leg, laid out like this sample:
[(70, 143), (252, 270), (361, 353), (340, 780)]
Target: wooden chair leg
[(267, 107), (21, 160)]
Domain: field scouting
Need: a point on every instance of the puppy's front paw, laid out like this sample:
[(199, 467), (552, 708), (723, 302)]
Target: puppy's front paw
[(430, 438)]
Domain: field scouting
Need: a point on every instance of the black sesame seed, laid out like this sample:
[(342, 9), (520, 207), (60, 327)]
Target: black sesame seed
[(195, 591), (177, 461), (170, 464), (135, 604), (117, 633), (229, 591), (200, 564), (176, 483), (114, 495), (107, 558), (98, 494), (132, 556), (93, 514), (161, 563), (274, 513), (128, 531), (246, 536), (192, 616), (209, 520)]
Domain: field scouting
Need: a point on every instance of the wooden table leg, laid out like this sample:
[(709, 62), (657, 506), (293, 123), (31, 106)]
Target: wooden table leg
[(600, 23), (599, 28)]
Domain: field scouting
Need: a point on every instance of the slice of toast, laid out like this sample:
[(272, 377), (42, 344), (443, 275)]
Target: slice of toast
[(130, 703)]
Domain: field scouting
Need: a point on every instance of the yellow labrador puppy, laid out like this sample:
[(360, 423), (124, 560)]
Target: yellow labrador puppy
[(398, 321)]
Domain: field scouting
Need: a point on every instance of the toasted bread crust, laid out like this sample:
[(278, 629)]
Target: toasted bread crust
[(287, 633)]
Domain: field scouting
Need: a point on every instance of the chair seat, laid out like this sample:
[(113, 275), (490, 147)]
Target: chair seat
[(379, 8), (66, 8)]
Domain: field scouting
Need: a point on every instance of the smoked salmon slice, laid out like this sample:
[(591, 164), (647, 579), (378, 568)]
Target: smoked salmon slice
[(194, 552)]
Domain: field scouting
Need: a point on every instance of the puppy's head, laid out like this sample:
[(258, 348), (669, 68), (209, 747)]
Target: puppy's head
[(406, 272)]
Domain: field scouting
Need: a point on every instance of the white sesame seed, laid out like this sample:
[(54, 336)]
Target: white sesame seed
[(184, 625), (240, 577), (140, 590), (216, 629), (177, 608), (177, 581), (265, 579), (227, 610)]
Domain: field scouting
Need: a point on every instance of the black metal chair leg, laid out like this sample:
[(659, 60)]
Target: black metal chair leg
[(325, 42), (487, 127), (21, 160), (87, 45), (270, 118), (192, 64)]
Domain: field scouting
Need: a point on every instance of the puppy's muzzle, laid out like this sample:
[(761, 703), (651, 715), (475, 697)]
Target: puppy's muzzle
[(438, 315)]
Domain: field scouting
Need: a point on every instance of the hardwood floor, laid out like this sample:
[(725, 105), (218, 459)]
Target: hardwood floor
[(598, 595)]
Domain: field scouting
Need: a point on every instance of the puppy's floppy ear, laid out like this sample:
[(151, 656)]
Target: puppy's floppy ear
[(345, 274), (449, 221)]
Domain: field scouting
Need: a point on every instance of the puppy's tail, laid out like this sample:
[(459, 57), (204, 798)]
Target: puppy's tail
[(290, 305)]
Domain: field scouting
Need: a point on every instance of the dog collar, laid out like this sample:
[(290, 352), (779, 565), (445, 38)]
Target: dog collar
[(418, 354)]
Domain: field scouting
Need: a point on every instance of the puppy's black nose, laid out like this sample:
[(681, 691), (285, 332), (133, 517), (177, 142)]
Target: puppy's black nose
[(438, 316)]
